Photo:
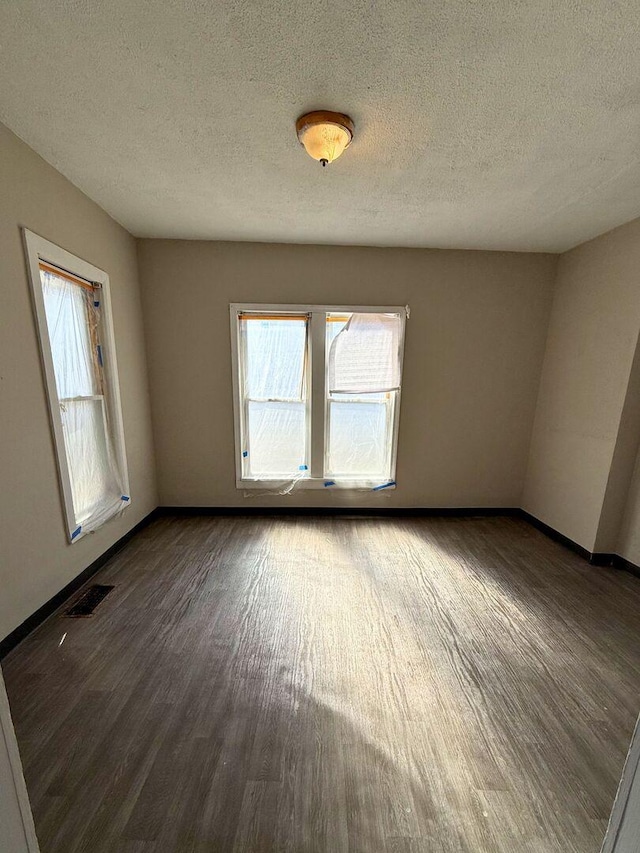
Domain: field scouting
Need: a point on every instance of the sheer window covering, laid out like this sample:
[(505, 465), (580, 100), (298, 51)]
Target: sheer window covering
[(364, 367), (274, 365), (365, 356), (72, 312)]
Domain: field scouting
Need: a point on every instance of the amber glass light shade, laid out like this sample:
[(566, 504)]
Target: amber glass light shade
[(324, 135)]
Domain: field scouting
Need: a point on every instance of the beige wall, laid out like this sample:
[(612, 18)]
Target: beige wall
[(35, 559), (474, 349), (585, 385), (628, 545), (623, 462)]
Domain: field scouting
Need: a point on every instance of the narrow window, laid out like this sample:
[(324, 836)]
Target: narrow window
[(362, 389), (274, 382), (317, 395), (72, 310)]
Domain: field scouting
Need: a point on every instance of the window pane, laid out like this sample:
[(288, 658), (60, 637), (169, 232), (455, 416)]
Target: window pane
[(276, 439), (93, 483), (359, 440), (68, 312), (274, 358), (335, 324)]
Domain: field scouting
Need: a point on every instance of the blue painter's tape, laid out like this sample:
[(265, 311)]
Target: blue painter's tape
[(303, 467), (384, 486), (99, 348), (329, 483), (125, 498), (76, 532), (245, 453)]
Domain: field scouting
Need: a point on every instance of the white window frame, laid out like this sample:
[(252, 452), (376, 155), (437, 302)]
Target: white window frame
[(38, 249), (317, 397)]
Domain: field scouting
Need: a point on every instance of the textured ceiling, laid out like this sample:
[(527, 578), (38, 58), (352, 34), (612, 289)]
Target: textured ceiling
[(501, 124)]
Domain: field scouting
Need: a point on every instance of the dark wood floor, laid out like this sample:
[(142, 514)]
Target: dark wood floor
[(332, 684)]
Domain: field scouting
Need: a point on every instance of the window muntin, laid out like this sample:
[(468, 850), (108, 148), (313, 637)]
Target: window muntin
[(72, 308), (349, 439)]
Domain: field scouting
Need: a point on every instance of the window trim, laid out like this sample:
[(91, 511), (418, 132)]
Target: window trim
[(37, 250), (317, 398)]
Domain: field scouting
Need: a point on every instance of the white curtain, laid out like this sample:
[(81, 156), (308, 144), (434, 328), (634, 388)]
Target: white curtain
[(365, 356)]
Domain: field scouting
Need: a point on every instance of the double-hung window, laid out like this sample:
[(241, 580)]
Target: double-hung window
[(316, 395), (72, 307)]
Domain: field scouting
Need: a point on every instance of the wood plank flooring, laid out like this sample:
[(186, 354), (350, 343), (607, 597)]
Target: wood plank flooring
[(333, 684)]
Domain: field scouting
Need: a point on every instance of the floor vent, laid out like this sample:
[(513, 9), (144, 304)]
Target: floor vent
[(88, 602)]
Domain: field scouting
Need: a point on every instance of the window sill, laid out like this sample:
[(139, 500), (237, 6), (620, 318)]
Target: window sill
[(325, 483), (97, 519)]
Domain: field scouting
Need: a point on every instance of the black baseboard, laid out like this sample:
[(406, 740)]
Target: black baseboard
[(42, 613), (625, 565), (375, 512), (596, 558), (602, 558), (552, 533)]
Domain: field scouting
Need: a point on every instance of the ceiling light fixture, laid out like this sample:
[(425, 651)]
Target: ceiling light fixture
[(324, 134)]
